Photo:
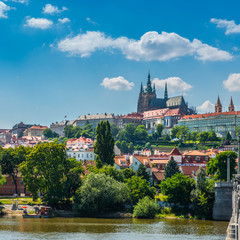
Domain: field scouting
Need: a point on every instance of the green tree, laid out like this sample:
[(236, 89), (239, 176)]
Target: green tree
[(194, 136), (48, 133), (178, 189), (142, 172), (139, 188), (174, 131), (47, 170), (141, 133), (87, 131), (110, 171), (182, 133), (167, 138), (159, 129), (228, 136), (104, 145), (124, 147), (115, 130), (128, 173), (212, 136), (2, 178), (130, 148), (146, 208), (217, 166), (171, 168), (238, 130), (100, 192), (203, 194), (203, 137), (10, 158), (129, 131)]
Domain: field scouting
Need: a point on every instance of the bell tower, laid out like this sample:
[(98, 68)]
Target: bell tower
[(231, 107), (218, 106)]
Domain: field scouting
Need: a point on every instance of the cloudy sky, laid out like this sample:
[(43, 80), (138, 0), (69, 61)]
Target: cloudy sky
[(71, 57)]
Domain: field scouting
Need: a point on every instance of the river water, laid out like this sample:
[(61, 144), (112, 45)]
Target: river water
[(18, 228)]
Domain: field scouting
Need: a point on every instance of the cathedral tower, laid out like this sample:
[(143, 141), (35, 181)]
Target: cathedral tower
[(218, 106), (145, 96), (231, 107)]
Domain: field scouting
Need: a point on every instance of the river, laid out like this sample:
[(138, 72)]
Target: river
[(18, 228)]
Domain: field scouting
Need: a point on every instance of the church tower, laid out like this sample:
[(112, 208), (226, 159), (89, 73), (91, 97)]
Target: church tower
[(166, 92), (231, 107), (146, 95), (218, 106)]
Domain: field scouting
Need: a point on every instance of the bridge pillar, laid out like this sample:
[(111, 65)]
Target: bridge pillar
[(222, 209)]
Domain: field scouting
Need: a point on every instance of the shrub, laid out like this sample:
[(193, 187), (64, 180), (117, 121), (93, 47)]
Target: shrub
[(146, 208)]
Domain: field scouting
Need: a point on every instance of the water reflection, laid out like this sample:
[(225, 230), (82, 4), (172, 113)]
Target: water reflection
[(112, 229)]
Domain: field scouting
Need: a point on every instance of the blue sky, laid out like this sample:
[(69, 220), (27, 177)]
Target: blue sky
[(74, 57)]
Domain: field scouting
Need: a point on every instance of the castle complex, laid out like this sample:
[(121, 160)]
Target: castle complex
[(148, 100)]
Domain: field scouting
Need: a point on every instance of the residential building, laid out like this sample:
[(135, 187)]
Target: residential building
[(35, 131), (121, 162), (58, 127), (137, 160), (19, 128), (166, 116), (81, 154), (135, 118), (5, 136), (195, 158), (220, 122), (94, 119)]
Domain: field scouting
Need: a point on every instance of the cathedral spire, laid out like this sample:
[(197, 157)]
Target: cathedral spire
[(141, 89), (166, 92), (231, 107), (154, 88), (149, 84)]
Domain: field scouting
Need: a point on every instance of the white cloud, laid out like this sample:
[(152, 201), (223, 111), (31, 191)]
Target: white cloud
[(50, 9), (18, 1), (230, 26), (232, 84), (117, 83), (174, 84), (207, 106), (41, 23), (91, 21), (4, 9), (64, 20), (151, 46)]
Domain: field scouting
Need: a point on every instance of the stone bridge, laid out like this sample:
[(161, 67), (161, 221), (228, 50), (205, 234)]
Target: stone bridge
[(233, 231)]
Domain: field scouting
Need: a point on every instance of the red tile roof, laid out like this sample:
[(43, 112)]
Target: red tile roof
[(189, 170), (175, 152), (209, 115), (143, 160)]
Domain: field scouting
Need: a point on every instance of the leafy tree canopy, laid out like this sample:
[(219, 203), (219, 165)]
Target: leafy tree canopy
[(139, 188), (100, 192), (217, 166), (178, 189), (142, 172), (48, 133)]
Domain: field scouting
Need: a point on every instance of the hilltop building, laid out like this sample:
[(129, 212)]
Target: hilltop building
[(219, 121), (148, 100)]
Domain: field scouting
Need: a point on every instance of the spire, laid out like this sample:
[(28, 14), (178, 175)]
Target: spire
[(166, 92), (149, 84), (231, 107), (218, 102), (141, 89), (154, 88), (218, 106)]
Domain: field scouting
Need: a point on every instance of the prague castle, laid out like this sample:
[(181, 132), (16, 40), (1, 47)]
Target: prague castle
[(148, 100)]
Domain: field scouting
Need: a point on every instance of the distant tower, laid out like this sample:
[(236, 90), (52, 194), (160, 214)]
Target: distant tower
[(218, 106), (145, 96), (166, 92), (231, 107)]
